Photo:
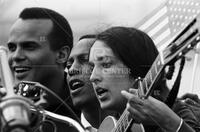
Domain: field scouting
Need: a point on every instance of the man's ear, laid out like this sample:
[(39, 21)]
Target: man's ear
[(63, 54)]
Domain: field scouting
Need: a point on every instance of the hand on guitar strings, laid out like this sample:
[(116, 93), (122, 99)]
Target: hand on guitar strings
[(150, 111)]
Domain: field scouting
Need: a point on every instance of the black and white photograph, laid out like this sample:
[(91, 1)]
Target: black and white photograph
[(99, 65)]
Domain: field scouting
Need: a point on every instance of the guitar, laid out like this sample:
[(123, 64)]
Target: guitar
[(181, 43)]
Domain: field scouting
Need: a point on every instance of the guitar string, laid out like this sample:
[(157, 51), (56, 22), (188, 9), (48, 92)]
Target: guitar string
[(120, 121)]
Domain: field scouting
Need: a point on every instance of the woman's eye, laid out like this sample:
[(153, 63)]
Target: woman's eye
[(106, 65)]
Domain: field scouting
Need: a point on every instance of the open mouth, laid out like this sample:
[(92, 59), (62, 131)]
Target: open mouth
[(21, 69), (75, 84), (101, 91)]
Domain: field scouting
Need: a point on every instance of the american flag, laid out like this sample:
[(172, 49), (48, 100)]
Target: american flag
[(168, 19)]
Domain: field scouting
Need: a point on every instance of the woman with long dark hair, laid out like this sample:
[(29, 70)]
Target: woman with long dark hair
[(119, 57)]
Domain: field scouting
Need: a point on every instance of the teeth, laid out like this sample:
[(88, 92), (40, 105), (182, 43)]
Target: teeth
[(99, 90), (76, 83), (21, 69)]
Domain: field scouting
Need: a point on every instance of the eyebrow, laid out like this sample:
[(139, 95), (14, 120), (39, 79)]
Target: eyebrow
[(104, 58), (22, 43), (84, 54), (79, 55), (28, 42), (8, 43)]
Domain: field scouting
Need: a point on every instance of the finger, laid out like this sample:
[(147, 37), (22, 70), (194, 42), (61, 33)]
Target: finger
[(133, 91), (136, 102), (135, 114), (152, 101), (132, 99), (127, 94)]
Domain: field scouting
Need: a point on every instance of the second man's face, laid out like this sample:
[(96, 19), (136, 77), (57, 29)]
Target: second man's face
[(79, 72)]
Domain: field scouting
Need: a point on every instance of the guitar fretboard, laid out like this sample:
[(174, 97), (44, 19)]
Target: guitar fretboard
[(123, 122), (151, 76)]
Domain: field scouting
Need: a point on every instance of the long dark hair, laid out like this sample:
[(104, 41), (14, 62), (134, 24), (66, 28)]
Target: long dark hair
[(134, 48)]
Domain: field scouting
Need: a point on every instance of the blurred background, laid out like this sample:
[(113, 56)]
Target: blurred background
[(90, 16)]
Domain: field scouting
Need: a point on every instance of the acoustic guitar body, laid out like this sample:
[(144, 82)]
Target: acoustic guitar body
[(109, 123)]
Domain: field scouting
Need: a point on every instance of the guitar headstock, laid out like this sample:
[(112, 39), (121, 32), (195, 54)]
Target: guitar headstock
[(181, 44), (184, 41)]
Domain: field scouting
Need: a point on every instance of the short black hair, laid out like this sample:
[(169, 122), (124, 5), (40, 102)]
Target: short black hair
[(88, 36), (61, 34)]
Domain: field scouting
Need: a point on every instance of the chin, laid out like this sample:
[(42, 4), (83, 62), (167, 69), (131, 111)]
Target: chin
[(78, 102), (106, 105), (112, 105), (23, 79)]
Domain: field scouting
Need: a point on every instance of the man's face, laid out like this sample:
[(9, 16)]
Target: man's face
[(79, 73), (30, 56)]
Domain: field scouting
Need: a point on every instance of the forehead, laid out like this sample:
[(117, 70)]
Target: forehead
[(82, 47), (31, 28), (100, 50)]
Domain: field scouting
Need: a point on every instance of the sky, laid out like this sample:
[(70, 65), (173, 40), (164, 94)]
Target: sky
[(85, 15)]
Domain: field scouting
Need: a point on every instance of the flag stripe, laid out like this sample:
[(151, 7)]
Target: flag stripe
[(162, 36), (163, 41), (152, 19), (158, 27), (156, 23), (164, 28)]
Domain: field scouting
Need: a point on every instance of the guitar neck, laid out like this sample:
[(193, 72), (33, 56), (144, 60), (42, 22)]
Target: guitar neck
[(123, 122), (182, 44), (147, 83)]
